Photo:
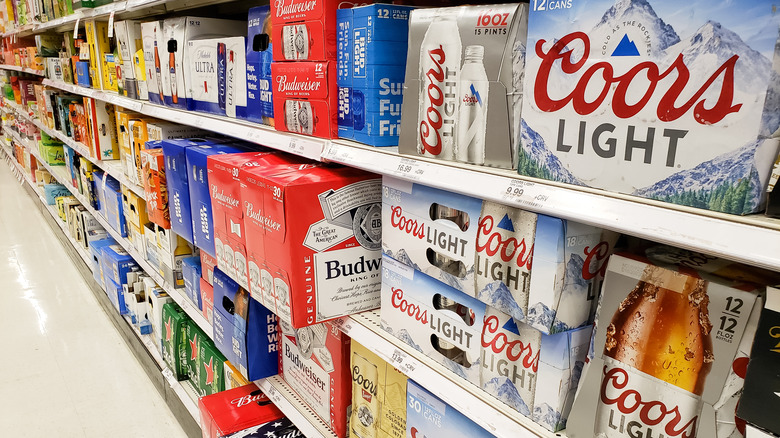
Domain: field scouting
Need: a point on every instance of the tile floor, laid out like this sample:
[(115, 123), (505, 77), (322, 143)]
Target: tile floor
[(65, 371)]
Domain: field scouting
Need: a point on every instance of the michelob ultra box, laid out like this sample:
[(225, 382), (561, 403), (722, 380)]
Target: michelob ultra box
[(378, 396), (666, 355), (306, 97), (428, 416), (464, 68), (304, 30), (154, 57), (675, 110), (259, 46), (314, 361), (541, 270), (433, 318), (322, 261)]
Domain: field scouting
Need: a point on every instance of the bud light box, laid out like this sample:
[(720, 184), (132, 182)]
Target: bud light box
[(304, 30), (464, 68), (259, 46), (230, 412), (427, 416), (668, 340), (345, 48), (323, 260), (314, 361), (244, 330), (190, 269), (306, 98), (681, 110), (433, 318)]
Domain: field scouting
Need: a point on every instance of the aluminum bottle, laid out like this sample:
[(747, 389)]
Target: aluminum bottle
[(473, 102)]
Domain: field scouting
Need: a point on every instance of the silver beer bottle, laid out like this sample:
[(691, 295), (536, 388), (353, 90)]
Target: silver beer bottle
[(472, 115)]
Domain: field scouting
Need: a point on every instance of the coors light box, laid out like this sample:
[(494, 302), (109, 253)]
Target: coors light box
[(658, 99)]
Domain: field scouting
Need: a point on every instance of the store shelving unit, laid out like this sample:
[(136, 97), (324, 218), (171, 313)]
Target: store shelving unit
[(22, 69)]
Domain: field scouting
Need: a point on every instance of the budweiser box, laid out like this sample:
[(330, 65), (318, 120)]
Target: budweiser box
[(314, 361), (670, 340), (244, 411), (154, 59), (485, 250), (428, 416), (469, 71), (244, 330), (323, 260), (378, 396), (304, 31), (759, 404), (669, 87), (174, 339), (259, 46), (306, 98), (433, 318), (207, 300), (207, 265), (534, 373)]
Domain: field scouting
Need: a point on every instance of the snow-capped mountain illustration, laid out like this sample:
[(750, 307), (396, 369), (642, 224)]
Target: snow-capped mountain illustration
[(455, 367), (547, 416), (451, 280), (574, 272), (518, 76), (503, 389), (576, 373), (770, 122), (404, 258), (406, 337), (638, 11), (543, 318), (537, 160), (497, 295)]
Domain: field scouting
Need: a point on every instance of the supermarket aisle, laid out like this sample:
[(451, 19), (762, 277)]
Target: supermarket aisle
[(65, 371)]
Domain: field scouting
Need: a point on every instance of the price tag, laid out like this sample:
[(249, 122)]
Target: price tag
[(76, 29), (523, 194), (111, 24), (274, 395), (168, 374), (402, 362), (344, 324), (409, 169)]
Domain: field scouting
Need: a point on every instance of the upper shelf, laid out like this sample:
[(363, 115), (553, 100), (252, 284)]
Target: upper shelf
[(23, 69)]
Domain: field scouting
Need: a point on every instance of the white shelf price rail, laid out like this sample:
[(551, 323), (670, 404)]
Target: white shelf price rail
[(294, 408), (22, 69)]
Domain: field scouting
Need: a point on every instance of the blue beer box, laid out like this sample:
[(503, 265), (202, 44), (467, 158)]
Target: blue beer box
[(82, 74), (428, 416), (377, 129), (244, 330), (191, 270), (375, 76), (344, 52), (96, 251), (373, 52), (259, 99), (117, 263), (53, 191), (383, 22), (117, 296), (114, 210)]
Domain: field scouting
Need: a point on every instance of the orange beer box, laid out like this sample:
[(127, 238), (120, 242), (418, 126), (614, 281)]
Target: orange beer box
[(668, 347)]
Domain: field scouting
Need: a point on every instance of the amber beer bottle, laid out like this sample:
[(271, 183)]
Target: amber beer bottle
[(657, 355)]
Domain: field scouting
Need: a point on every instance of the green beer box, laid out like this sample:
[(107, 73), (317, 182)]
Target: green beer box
[(195, 336), (174, 339), (211, 369)]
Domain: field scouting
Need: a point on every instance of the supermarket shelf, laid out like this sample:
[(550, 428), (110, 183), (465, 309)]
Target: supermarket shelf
[(22, 69), (490, 413), (18, 109), (294, 408)]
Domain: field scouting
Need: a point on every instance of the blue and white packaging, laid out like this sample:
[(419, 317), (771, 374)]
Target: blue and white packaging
[(429, 417), (53, 191), (370, 76), (259, 46), (117, 263), (344, 54), (70, 159), (378, 129), (96, 251), (151, 34), (191, 271), (383, 22), (202, 77), (235, 77), (117, 296), (114, 210), (244, 331), (373, 52)]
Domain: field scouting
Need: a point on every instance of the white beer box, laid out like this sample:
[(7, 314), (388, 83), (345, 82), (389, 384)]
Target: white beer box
[(463, 87), (658, 99), (433, 318), (681, 343)]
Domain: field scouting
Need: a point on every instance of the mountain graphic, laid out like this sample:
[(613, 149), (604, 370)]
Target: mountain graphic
[(503, 389), (537, 161), (498, 295), (506, 224), (626, 47), (662, 34), (511, 326)]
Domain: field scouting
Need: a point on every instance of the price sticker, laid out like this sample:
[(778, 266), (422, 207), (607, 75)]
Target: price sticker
[(111, 24), (402, 362), (168, 374), (409, 169), (345, 324), (274, 395)]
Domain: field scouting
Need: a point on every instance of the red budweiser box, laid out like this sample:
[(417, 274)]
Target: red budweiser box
[(624, 96), (207, 299), (229, 234), (207, 264), (313, 240), (315, 363), (669, 353), (229, 412), (306, 98), (541, 270), (304, 30)]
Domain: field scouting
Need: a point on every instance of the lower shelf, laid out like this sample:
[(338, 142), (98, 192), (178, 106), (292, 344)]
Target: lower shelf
[(294, 408)]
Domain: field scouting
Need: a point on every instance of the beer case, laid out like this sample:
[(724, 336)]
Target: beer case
[(116, 296), (101, 123), (234, 77), (259, 46), (83, 78), (233, 377), (174, 339), (434, 60), (96, 252), (155, 184), (304, 31), (156, 298), (113, 209), (235, 410), (378, 396), (306, 97), (116, 263), (715, 86), (125, 139), (195, 336), (244, 330), (206, 90), (190, 269), (129, 40), (415, 310), (314, 361), (53, 191), (149, 38), (207, 300), (759, 403), (211, 372), (345, 52), (323, 260), (691, 382), (207, 265), (99, 47), (428, 416), (773, 192)]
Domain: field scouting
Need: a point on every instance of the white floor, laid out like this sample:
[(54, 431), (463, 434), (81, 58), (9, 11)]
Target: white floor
[(64, 369)]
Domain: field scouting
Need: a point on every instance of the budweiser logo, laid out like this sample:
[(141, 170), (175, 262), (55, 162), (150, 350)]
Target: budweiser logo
[(492, 242), (283, 9), (593, 257), (648, 73), (408, 308), (255, 215), (499, 343), (247, 399), (283, 85), (431, 124), (220, 195), (409, 226)]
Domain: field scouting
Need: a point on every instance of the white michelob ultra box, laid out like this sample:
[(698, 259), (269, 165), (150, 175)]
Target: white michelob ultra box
[(541, 270), (433, 318), (151, 32), (658, 99)]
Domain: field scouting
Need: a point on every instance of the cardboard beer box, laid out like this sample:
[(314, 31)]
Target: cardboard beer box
[(207, 265), (244, 330), (428, 416), (190, 268), (154, 57), (474, 57), (314, 361), (378, 396), (147, 129), (116, 296), (174, 339), (304, 31), (156, 299), (233, 377), (683, 112), (125, 138), (206, 92), (117, 264), (234, 411), (306, 98), (345, 52), (129, 41), (322, 261), (433, 318), (101, 124), (99, 47), (207, 300), (172, 251), (195, 336), (670, 337), (155, 184), (96, 252), (211, 373), (259, 46)]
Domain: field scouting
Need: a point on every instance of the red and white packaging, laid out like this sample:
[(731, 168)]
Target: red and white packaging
[(207, 265), (304, 30), (314, 236), (666, 353), (207, 299), (314, 361), (227, 211), (306, 97), (232, 411)]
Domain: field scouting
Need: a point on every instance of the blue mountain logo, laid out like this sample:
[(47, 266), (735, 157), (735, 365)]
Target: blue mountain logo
[(626, 47), (476, 95), (506, 224), (511, 326)]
